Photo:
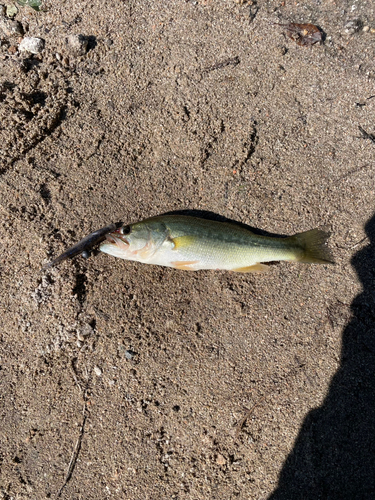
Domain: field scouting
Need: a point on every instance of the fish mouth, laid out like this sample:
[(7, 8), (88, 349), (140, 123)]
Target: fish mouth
[(117, 239), (115, 245), (111, 239)]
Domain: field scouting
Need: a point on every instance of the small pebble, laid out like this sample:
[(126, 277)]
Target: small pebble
[(352, 26), (220, 460), (85, 331), (10, 28), (80, 337), (11, 10), (129, 354), (58, 56), (78, 44), (98, 371), (366, 29), (85, 254), (33, 45)]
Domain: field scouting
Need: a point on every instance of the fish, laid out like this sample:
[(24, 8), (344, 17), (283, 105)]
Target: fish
[(191, 244), (84, 245)]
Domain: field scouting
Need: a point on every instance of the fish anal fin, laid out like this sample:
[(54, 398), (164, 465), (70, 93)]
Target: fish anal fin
[(184, 265), (256, 268), (182, 241)]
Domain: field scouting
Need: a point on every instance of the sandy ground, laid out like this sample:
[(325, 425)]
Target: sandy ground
[(121, 380)]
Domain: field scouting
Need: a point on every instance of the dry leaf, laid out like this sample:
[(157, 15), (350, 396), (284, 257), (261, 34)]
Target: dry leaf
[(304, 34)]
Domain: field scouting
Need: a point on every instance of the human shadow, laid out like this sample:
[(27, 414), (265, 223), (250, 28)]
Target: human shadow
[(334, 454)]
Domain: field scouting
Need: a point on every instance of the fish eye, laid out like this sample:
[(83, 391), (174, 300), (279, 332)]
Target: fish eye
[(125, 230)]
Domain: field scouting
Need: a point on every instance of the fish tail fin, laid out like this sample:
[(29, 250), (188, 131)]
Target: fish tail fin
[(314, 246)]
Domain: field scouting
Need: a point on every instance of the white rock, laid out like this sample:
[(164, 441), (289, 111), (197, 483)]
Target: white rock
[(78, 44), (30, 44), (98, 371)]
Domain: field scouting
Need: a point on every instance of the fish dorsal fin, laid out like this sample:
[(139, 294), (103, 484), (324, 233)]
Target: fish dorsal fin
[(256, 268), (183, 241)]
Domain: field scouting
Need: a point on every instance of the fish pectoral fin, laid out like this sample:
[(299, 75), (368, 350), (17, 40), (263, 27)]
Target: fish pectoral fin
[(182, 241), (184, 265), (256, 268)]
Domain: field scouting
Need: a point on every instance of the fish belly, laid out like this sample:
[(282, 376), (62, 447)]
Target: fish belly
[(203, 255)]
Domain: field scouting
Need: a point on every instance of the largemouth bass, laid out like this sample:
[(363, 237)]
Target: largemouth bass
[(189, 243)]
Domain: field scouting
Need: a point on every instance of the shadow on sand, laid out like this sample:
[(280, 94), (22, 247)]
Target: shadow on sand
[(334, 454)]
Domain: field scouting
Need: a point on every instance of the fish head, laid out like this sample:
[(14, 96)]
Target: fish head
[(134, 242)]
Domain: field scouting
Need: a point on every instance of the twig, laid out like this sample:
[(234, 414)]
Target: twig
[(291, 373), (351, 172), (241, 423), (359, 242), (228, 62), (366, 135), (77, 448)]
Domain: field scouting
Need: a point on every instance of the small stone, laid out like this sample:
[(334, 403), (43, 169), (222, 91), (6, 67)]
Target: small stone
[(220, 460), (85, 331), (372, 30), (98, 371), (78, 44), (366, 29), (58, 56), (352, 26), (129, 354), (11, 10), (10, 28), (33, 45)]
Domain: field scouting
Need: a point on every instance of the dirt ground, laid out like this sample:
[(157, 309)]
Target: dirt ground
[(125, 381)]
